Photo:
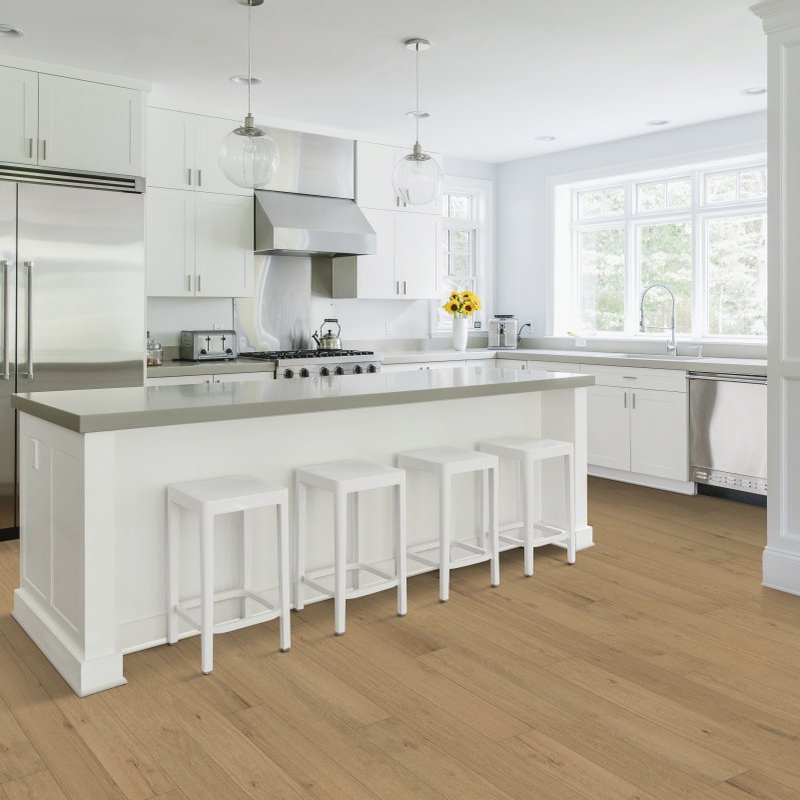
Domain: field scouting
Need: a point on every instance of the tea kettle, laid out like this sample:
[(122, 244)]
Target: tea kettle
[(329, 340)]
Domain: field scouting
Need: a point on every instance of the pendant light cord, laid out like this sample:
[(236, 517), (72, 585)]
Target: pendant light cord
[(416, 116), (249, 49)]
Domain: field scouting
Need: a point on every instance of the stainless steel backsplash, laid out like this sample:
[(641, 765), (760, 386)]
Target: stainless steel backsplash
[(278, 317)]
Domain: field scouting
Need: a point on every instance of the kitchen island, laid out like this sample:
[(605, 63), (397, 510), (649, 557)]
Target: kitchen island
[(95, 465)]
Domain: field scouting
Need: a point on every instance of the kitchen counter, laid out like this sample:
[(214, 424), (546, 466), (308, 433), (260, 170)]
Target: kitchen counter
[(94, 467), (94, 410), (177, 367), (739, 366)]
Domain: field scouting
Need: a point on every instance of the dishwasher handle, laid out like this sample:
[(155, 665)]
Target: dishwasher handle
[(726, 376)]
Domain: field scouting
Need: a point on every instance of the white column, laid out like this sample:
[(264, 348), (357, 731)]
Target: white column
[(781, 562)]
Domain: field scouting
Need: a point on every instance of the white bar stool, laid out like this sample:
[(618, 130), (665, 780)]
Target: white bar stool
[(209, 498), (445, 462), (345, 480), (527, 451)]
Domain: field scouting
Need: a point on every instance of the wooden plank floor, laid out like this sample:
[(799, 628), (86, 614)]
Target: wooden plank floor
[(656, 668)]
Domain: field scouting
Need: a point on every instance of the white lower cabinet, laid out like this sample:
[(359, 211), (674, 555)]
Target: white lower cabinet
[(198, 244), (220, 377), (635, 428), (609, 433), (176, 379), (233, 377), (422, 365)]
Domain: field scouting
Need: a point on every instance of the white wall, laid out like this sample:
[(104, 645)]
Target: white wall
[(522, 199), (168, 316)]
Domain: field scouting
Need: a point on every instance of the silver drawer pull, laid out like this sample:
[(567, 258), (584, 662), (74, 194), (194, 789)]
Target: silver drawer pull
[(6, 376)]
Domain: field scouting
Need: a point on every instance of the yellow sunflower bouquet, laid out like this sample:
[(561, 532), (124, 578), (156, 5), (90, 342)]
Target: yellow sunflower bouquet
[(462, 304)]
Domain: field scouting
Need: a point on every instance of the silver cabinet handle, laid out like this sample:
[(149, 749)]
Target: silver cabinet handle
[(633, 401), (30, 147), (188, 283), (44, 150), (405, 288), (199, 177), (397, 287), (6, 376), (189, 172), (625, 399), (29, 373), (199, 283)]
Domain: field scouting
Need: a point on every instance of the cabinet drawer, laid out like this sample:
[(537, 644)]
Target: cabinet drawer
[(667, 380), (552, 366)]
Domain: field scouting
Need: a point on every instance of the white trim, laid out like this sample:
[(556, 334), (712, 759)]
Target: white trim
[(780, 570), (667, 484), (71, 72), (777, 15)]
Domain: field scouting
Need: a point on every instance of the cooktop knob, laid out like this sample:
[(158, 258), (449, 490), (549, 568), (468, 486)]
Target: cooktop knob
[(324, 371), (339, 371), (304, 373), (229, 352), (288, 373), (358, 369), (372, 368), (203, 352)]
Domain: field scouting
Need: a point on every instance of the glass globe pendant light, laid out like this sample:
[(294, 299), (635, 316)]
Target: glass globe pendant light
[(248, 155), (417, 177)]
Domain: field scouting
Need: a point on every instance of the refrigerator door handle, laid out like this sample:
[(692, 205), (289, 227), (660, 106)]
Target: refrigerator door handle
[(6, 376), (29, 373)]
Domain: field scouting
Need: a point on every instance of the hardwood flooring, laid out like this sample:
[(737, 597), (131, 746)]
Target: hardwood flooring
[(656, 668)]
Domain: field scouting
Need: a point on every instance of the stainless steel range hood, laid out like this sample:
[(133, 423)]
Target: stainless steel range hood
[(303, 225), (309, 208)]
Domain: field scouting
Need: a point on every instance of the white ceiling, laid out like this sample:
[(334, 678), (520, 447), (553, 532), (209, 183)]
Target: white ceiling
[(498, 74)]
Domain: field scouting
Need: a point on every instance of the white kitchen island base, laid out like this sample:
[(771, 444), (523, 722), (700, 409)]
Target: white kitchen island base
[(93, 517)]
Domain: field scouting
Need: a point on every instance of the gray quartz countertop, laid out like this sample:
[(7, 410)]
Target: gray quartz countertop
[(94, 410), (738, 366)]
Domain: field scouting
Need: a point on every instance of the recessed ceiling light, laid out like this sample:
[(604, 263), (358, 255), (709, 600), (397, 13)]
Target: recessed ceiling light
[(754, 90), (544, 139), (658, 122), (10, 31), (244, 79)]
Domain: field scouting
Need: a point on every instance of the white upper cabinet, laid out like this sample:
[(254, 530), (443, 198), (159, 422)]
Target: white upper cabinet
[(198, 245), (376, 274), (224, 259), (19, 97), (417, 239), (375, 165), (65, 123), (90, 126), (183, 152)]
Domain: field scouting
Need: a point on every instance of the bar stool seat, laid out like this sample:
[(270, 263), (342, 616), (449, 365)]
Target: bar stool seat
[(445, 463), (527, 451), (346, 480), (208, 499)]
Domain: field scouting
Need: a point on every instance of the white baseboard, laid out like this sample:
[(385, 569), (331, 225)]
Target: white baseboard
[(652, 482), (85, 676), (781, 570)]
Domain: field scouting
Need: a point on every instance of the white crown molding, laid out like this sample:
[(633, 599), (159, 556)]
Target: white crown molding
[(778, 15), (72, 72)]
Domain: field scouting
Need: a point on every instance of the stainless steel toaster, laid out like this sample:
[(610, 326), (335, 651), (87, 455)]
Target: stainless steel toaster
[(208, 345)]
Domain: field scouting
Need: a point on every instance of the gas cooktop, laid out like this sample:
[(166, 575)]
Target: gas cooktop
[(281, 355)]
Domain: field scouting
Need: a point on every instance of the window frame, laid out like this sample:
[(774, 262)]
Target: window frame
[(566, 226), (481, 223)]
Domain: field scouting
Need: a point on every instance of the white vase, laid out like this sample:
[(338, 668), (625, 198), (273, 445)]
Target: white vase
[(460, 334)]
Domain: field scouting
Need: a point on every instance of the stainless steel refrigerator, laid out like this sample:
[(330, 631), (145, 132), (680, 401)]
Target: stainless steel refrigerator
[(72, 305)]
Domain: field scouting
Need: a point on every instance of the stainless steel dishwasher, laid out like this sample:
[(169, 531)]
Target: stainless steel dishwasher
[(728, 431)]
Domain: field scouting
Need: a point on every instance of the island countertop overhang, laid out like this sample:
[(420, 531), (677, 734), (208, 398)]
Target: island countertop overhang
[(97, 410)]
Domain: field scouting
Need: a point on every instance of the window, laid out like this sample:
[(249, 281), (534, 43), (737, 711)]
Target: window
[(466, 245), (700, 231)]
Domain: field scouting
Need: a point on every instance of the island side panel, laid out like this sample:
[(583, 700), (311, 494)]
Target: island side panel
[(67, 564)]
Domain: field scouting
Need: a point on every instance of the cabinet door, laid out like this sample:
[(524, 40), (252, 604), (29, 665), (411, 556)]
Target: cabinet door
[(90, 126), (169, 242), (659, 433), (209, 177), (224, 265), (609, 427), (511, 363), (170, 149), (19, 100), (374, 167), (416, 252), (376, 274)]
